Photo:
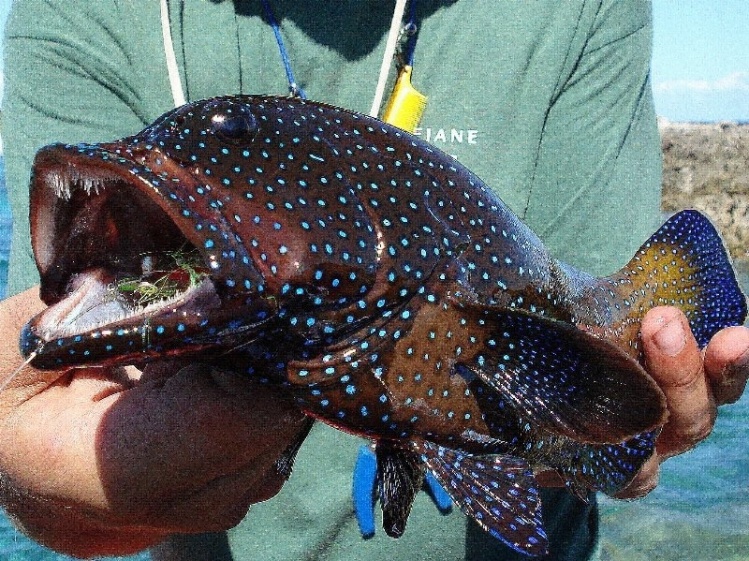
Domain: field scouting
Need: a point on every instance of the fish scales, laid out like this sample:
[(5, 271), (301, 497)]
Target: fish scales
[(379, 283)]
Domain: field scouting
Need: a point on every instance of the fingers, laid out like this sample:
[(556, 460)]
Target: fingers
[(693, 383), (170, 448), (674, 360), (727, 364)]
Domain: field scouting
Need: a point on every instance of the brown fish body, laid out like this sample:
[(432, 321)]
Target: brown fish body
[(379, 283)]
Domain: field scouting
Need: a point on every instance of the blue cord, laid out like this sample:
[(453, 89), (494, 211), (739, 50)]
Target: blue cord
[(364, 490), (412, 31), (439, 496), (294, 88)]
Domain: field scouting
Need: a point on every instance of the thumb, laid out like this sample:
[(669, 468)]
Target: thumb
[(674, 360)]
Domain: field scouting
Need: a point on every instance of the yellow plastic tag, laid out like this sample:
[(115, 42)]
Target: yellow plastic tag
[(406, 105)]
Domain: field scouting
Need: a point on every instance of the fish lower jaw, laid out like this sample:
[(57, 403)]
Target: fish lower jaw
[(94, 307)]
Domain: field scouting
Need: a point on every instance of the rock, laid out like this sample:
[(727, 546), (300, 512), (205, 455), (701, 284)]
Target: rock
[(706, 166)]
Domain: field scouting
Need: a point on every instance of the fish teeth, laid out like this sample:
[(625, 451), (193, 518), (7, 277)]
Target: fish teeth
[(62, 183), (90, 184), (61, 186)]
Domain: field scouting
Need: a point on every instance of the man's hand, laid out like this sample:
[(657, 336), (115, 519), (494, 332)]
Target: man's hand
[(96, 461), (694, 383)]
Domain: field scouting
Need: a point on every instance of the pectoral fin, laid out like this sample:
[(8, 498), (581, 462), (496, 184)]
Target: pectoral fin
[(285, 463), (564, 380)]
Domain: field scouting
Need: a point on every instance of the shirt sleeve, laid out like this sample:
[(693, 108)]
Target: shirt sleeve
[(69, 77), (600, 150)]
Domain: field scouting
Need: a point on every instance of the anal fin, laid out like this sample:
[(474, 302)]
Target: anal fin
[(609, 468), (498, 492)]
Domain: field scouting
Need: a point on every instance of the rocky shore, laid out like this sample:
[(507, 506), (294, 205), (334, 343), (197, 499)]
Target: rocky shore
[(706, 166)]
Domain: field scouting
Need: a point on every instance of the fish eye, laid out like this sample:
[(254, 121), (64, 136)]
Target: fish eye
[(234, 127)]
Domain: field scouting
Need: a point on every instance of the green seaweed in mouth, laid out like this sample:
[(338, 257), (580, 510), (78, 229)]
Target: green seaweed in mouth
[(175, 272)]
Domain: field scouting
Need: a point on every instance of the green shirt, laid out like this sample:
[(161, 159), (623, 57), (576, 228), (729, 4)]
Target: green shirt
[(549, 102)]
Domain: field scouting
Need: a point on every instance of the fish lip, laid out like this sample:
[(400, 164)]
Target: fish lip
[(90, 310), (86, 329)]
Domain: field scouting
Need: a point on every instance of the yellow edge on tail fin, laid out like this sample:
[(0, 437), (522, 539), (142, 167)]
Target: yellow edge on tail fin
[(406, 105)]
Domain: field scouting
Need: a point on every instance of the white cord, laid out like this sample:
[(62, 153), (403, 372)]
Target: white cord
[(387, 59), (175, 82)]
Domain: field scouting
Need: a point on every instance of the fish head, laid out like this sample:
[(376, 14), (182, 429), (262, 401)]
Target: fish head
[(179, 238)]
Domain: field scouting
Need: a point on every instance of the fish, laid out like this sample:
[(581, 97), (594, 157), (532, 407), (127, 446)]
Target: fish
[(376, 282)]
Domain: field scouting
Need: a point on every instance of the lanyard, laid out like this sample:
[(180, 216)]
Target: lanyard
[(294, 89), (175, 83), (405, 105)]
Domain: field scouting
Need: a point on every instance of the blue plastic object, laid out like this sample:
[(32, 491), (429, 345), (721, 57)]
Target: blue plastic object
[(364, 491)]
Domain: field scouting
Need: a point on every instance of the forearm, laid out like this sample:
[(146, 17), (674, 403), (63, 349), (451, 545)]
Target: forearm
[(64, 527)]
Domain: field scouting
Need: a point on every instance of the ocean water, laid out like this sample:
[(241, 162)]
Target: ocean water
[(700, 510), (5, 225)]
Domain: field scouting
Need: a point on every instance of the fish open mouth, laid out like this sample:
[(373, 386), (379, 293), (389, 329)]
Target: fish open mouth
[(122, 280), (86, 217)]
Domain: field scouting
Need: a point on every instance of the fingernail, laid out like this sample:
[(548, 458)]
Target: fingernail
[(737, 369), (671, 339)]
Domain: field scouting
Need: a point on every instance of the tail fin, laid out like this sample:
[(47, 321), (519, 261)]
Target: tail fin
[(684, 264)]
